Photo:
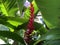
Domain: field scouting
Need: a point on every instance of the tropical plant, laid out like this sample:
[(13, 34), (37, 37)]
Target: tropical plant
[(17, 22)]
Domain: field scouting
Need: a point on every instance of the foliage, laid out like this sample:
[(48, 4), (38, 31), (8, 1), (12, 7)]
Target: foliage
[(13, 26)]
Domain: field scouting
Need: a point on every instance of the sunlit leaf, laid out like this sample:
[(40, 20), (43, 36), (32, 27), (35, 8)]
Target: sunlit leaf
[(8, 7)]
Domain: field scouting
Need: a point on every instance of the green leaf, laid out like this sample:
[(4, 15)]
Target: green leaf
[(27, 13), (4, 31), (8, 7), (52, 42), (15, 21), (53, 34), (12, 22), (35, 6), (6, 24), (42, 30), (20, 4), (50, 11), (12, 35)]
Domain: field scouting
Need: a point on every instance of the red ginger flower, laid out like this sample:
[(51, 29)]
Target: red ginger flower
[(30, 26)]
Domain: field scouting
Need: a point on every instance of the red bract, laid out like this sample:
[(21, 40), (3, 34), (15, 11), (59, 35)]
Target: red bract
[(30, 26), (27, 39)]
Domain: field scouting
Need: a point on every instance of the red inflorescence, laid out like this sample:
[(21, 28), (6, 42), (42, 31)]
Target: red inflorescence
[(30, 26)]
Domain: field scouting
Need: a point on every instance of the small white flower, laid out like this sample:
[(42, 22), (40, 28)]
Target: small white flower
[(27, 4)]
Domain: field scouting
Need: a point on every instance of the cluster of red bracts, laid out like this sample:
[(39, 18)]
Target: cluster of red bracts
[(30, 26)]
